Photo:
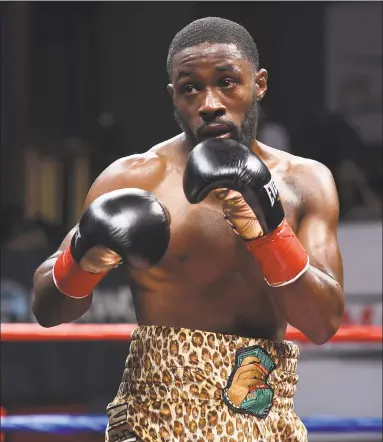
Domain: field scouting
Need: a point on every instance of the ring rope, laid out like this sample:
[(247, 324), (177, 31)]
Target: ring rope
[(65, 424), (123, 332)]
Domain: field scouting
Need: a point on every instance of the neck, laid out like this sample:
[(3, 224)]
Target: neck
[(185, 146), (257, 148)]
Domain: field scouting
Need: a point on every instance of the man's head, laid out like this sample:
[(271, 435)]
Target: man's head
[(215, 79)]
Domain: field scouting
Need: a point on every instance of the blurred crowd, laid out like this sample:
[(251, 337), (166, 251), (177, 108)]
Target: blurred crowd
[(357, 169), (331, 140)]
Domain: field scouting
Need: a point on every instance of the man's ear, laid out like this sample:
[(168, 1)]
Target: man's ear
[(261, 83), (171, 91)]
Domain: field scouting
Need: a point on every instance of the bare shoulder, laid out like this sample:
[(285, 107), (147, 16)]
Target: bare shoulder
[(313, 171), (144, 171), (298, 168), (312, 180), (169, 150), (315, 183)]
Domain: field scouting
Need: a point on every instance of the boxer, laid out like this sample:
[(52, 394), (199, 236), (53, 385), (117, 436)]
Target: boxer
[(225, 241)]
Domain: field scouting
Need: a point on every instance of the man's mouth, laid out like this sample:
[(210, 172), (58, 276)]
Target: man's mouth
[(215, 131)]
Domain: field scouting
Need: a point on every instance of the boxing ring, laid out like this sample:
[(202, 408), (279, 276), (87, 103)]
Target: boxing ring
[(74, 424)]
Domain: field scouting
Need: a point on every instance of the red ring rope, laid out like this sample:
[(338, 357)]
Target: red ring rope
[(122, 332)]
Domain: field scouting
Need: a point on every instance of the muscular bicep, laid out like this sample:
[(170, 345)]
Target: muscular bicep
[(318, 229)]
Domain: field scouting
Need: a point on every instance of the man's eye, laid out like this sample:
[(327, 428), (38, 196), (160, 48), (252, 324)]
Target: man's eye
[(227, 82), (189, 89)]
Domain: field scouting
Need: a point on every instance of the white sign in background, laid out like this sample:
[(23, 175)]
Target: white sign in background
[(361, 247), (353, 60)]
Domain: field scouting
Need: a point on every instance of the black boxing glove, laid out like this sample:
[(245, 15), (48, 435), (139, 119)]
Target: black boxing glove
[(127, 225), (251, 205)]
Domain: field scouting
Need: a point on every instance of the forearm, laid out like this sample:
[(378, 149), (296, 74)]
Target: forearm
[(313, 304), (50, 307)]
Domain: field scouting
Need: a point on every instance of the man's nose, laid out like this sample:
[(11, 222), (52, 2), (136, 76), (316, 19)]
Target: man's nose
[(211, 108)]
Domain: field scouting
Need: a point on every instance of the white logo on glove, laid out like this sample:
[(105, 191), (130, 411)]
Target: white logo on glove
[(272, 192)]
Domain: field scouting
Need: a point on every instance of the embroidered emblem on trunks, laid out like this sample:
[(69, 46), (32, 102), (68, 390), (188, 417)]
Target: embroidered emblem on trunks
[(247, 390)]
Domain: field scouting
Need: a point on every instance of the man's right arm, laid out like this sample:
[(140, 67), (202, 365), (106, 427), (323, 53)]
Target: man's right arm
[(51, 307)]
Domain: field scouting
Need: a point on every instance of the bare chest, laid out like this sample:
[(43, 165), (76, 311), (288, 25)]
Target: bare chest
[(203, 247)]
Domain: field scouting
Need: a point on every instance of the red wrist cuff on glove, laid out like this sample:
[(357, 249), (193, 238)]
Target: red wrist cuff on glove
[(281, 255), (71, 279)]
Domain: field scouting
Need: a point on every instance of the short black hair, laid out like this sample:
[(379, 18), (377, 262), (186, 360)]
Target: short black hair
[(214, 30)]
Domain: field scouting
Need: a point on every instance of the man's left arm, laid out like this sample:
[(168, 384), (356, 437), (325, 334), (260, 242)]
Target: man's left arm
[(304, 269), (314, 303)]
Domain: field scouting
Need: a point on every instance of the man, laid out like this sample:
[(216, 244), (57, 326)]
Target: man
[(220, 258)]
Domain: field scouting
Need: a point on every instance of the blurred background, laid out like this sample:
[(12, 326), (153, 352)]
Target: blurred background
[(84, 83)]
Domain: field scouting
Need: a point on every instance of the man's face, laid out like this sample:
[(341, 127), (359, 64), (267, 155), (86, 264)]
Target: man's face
[(216, 92)]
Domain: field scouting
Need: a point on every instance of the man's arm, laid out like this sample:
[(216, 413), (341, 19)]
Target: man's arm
[(314, 303), (49, 305), (309, 294)]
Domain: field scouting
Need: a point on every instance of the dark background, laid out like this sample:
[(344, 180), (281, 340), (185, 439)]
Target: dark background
[(89, 78)]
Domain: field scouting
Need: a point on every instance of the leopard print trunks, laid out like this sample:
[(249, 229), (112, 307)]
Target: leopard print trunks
[(184, 385)]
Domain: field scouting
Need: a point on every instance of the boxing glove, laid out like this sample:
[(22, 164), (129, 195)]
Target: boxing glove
[(251, 205), (125, 225)]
